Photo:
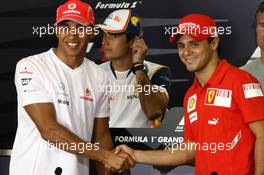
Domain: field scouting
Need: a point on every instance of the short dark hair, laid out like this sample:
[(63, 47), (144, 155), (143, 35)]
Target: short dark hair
[(130, 37), (260, 9)]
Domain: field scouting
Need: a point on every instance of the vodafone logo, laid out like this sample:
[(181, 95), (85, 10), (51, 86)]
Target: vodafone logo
[(87, 92), (72, 6), (87, 95)]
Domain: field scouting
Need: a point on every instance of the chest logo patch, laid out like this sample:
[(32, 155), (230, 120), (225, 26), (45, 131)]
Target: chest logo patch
[(218, 97), (192, 103), (211, 95), (193, 117)]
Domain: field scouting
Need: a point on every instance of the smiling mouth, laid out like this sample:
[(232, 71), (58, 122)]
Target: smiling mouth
[(73, 44), (189, 60)]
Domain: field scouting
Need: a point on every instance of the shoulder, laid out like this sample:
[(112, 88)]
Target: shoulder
[(105, 65), (236, 74), (250, 66), (33, 61), (96, 70)]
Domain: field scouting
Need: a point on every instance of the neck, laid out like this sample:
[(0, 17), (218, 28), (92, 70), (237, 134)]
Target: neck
[(73, 61), (262, 56), (205, 74), (123, 64)]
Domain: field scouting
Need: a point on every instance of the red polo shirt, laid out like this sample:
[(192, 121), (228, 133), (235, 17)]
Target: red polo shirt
[(217, 117)]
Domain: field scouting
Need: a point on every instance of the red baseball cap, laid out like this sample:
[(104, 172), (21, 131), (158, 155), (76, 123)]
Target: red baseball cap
[(197, 26), (77, 11)]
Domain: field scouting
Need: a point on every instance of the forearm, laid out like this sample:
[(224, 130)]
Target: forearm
[(259, 156), (165, 157), (154, 104), (106, 143), (62, 138)]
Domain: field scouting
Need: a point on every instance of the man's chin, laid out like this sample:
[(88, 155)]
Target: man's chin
[(191, 69)]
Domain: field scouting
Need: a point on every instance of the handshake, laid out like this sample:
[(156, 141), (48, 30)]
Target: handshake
[(122, 158)]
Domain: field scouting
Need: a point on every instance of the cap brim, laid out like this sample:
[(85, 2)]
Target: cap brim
[(110, 29), (73, 18), (175, 37)]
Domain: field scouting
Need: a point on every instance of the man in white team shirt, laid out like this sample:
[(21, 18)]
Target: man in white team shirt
[(62, 114), (138, 89)]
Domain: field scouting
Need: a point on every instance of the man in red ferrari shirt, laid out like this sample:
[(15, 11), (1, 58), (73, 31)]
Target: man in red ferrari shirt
[(224, 109)]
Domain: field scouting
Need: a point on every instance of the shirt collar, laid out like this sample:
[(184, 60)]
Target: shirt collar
[(113, 70), (217, 76)]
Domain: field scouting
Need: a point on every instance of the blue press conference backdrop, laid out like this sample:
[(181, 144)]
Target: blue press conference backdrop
[(20, 37)]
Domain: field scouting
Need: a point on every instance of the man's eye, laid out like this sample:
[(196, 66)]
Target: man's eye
[(180, 46), (194, 44), (261, 25), (63, 26), (80, 28), (113, 36)]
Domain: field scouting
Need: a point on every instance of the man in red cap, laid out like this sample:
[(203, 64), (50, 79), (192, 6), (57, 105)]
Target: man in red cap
[(223, 109), (62, 105)]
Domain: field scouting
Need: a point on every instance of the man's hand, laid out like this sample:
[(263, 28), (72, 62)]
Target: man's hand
[(139, 50), (118, 162), (123, 149)]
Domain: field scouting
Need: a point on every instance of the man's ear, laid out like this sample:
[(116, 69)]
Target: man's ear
[(214, 43)]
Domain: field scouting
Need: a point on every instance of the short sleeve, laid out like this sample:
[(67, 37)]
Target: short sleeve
[(29, 84), (102, 106), (249, 97)]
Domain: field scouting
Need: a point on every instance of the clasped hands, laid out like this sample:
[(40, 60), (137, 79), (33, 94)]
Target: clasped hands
[(122, 159)]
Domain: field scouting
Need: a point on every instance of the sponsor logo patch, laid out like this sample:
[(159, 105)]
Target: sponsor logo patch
[(25, 71), (218, 97), (252, 90), (192, 103), (193, 117), (65, 102), (25, 81), (87, 96), (213, 121)]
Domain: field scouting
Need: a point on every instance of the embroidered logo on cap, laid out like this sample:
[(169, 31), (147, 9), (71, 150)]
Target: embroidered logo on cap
[(72, 6), (134, 21)]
